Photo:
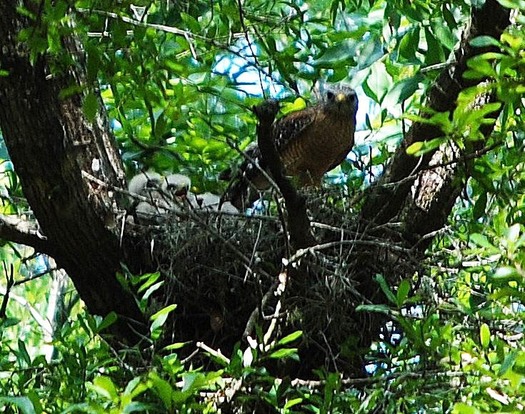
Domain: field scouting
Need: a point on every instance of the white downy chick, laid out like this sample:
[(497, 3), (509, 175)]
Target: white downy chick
[(210, 201), (175, 189), (147, 184), (143, 182)]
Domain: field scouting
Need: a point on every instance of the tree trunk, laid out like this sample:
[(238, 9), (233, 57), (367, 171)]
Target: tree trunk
[(391, 198), (414, 197), (51, 144)]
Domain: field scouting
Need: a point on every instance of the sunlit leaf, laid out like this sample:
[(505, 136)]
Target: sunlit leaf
[(402, 292), (284, 353), (484, 335), (160, 317), (289, 338), (462, 408), (481, 240), (104, 386)]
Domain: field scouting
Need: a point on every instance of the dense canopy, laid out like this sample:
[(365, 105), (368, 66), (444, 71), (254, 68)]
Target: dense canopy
[(395, 286)]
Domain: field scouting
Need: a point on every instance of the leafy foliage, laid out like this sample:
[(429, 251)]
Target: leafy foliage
[(178, 79)]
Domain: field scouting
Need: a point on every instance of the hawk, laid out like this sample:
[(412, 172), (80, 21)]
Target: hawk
[(309, 142)]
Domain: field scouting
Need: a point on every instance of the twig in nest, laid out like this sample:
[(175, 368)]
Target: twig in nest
[(279, 292), (252, 320)]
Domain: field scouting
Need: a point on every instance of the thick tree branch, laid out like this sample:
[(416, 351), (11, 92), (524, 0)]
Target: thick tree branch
[(297, 219), (17, 230), (418, 193), (385, 202)]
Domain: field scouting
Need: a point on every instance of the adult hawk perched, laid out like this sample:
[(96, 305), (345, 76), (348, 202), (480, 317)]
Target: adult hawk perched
[(310, 143)]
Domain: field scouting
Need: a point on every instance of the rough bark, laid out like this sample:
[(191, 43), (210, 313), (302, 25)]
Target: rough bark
[(416, 194), (391, 197), (51, 142)]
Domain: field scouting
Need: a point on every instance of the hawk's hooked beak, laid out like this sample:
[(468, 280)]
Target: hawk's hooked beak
[(340, 97)]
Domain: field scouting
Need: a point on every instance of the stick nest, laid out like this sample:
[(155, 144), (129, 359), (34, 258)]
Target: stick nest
[(224, 272)]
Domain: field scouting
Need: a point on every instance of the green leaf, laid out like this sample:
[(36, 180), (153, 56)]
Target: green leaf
[(109, 320), (90, 106), (8, 322), (506, 274), (409, 45), (35, 398), (374, 308), (290, 338), (434, 49), (482, 241), (135, 387), (479, 66), (378, 82), (297, 105), (378, 278), (416, 148), (484, 41), (402, 90), (462, 408), (480, 205), (292, 403), (513, 4), (484, 335), (148, 279), (420, 148), (175, 346), (162, 388), (190, 22), (402, 292), (508, 362), (93, 63), (152, 289), (285, 353), (342, 52), (23, 403), (105, 387), (70, 91), (160, 317), (22, 354)]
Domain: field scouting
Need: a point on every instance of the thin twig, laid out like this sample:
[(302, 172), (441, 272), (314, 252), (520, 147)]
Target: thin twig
[(211, 351)]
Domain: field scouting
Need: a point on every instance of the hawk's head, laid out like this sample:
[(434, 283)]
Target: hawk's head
[(341, 99)]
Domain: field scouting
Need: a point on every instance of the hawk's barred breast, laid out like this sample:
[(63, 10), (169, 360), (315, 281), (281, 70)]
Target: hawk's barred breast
[(310, 142)]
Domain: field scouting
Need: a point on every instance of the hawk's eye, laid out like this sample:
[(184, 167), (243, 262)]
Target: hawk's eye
[(330, 95)]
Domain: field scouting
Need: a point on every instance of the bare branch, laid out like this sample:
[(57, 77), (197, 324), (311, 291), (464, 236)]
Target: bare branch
[(17, 230)]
